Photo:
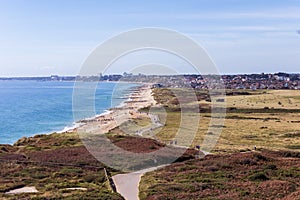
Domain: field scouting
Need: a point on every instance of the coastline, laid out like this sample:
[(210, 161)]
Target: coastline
[(107, 114), (114, 116), (139, 98)]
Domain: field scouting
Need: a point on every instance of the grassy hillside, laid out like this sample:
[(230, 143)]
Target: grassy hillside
[(57, 163), (53, 164), (253, 175)]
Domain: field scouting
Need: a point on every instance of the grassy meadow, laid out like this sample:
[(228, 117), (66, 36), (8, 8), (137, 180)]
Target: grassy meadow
[(265, 119)]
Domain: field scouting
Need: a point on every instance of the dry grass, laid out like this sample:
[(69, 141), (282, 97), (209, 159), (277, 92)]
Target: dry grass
[(288, 99), (243, 130)]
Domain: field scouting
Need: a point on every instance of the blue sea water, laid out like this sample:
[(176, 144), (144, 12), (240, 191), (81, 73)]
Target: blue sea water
[(28, 108)]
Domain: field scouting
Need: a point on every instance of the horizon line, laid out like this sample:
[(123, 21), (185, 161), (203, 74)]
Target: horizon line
[(45, 76)]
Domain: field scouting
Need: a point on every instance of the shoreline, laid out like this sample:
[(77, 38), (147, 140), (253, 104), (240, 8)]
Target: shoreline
[(77, 124), (139, 98), (106, 114)]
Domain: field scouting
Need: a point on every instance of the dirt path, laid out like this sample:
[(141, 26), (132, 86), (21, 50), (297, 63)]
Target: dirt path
[(128, 184), (155, 123)]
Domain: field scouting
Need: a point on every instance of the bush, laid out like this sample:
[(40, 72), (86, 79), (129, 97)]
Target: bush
[(260, 157), (271, 166), (258, 177), (247, 161), (291, 154), (94, 178), (69, 170)]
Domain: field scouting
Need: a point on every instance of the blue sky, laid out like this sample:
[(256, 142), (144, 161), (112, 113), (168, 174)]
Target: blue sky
[(55, 37)]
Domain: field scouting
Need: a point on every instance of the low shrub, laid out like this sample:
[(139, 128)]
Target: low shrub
[(258, 177)]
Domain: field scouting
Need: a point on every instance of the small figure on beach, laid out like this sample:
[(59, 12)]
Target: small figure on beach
[(254, 147)]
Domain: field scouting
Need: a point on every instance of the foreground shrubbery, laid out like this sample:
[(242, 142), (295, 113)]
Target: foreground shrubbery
[(252, 175)]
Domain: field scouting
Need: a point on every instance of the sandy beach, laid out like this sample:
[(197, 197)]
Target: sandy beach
[(114, 117)]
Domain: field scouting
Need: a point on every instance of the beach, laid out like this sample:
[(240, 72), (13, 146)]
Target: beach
[(114, 117)]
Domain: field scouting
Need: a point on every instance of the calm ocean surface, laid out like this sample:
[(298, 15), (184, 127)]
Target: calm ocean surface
[(28, 108)]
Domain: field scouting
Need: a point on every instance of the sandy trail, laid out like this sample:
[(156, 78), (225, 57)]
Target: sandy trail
[(128, 184)]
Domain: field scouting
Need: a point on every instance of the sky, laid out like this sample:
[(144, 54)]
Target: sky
[(40, 38)]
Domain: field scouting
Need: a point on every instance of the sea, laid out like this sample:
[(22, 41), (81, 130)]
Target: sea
[(28, 108)]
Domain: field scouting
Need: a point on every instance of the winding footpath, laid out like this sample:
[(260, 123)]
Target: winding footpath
[(155, 124), (128, 184)]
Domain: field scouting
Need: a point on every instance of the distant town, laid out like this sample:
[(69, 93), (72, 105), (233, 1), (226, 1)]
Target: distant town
[(275, 81)]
